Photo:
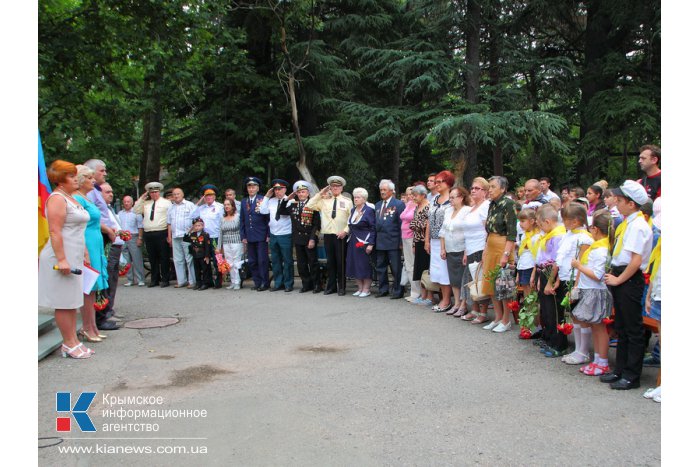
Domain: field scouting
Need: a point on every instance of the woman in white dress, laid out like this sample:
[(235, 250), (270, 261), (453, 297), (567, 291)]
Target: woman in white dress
[(65, 251), (438, 266)]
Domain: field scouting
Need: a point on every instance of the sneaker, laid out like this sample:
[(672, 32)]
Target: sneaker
[(651, 392), (128, 284), (364, 294), (503, 327), (141, 284), (236, 286), (651, 361), (575, 358), (553, 353), (491, 326)]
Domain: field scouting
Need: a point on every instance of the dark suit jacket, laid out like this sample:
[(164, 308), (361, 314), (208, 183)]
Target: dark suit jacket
[(254, 226), (388, 224)]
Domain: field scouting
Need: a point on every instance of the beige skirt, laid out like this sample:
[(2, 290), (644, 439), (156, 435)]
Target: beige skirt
[(495, 246)]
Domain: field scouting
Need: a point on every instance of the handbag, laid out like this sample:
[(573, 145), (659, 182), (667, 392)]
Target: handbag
[(427, 283), (504, 285), (476, 286), (244, 270)]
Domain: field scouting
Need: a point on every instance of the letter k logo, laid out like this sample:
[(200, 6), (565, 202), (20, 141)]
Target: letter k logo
[(79, 411)]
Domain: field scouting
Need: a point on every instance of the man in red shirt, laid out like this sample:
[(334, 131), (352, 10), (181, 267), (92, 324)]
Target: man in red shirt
[(649, 162)]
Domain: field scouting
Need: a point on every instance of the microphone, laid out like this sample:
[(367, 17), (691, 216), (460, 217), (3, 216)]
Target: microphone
[(75, 271)]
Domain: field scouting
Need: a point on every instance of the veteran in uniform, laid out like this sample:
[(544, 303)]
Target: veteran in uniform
[(255, 233), (305, 226), (155, 232), (335, 212), (275, 205)]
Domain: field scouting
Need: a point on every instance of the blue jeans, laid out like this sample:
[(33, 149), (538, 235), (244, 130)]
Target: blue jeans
[(282, 262)]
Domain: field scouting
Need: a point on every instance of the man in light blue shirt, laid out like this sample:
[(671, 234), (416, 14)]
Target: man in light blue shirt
[(132, 252), (179, 223)]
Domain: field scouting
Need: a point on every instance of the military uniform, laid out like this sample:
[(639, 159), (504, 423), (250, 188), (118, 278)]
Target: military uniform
[(255, 230), (387, 249), (305, 226)]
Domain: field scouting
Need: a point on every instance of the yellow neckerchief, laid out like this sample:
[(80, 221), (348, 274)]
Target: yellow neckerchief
[(527, 241), (555, 232), (582, 231), (654, 261), (620, 232), (601, 243)]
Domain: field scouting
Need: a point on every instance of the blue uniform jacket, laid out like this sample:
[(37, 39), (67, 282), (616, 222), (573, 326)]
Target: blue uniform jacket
[(388, 224), (255, 227)]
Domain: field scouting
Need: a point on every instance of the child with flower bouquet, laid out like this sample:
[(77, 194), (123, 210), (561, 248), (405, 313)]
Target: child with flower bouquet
[(576, 241), (595, 300), (200, 243), (554, 343), (527, 249)]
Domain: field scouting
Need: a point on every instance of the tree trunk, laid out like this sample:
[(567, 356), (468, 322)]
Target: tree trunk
[(144, 149), (498, 160), (154, 140)]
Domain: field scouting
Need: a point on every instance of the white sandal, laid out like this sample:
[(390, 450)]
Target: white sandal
[(70, 352)]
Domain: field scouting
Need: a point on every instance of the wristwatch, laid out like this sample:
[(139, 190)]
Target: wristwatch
[(507, 253)]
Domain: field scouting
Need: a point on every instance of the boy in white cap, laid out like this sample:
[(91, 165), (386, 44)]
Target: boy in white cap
[(630, 256)]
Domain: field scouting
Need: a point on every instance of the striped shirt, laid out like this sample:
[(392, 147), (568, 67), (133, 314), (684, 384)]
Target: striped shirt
[(231, 230), (179, 218), (130, 221)]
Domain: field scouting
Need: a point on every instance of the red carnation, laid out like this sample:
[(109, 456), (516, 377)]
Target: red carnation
[(359, 245), (608, 321), (525, 333), (514, 306), (646, 277), (565, 328)]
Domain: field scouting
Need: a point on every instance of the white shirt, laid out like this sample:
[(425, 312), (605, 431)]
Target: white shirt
[(638, 239), (452, 230), (211, 215), (130, 220), (179, 218), (475, 232), (115, 222), (569, 247), (532, 205), (527, 259), (596, 262), (277, 227), (550, 195)]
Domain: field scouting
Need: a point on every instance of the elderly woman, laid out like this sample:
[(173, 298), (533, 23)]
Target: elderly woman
[(361, 242), (421, 258), (438, 266), (475, 242), (500, 243), (65, 251), (96, 252), (452, 243), (407, 243)]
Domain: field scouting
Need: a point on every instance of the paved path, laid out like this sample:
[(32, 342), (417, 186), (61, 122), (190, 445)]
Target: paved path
[(291, 379)]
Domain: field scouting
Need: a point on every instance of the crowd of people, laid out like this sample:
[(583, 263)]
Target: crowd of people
[(458, 250)]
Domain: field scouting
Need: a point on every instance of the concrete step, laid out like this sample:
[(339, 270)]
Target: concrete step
[(49, 336), (45, 321)]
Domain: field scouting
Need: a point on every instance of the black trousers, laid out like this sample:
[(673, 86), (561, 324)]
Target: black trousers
[(115, 252), (551, 314), (158, 255), (335, 254), (386, 259), (202, 272), (629, 325), (307, 264)]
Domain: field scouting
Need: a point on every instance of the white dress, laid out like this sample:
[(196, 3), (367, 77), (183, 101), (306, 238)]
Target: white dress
[(55, 289)]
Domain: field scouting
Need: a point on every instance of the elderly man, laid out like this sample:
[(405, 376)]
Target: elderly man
[(255, 233), (335, 212), (388, 242), (305, 226), (211, 212), (115, 251), (133, 223), (649, 162), (545, 183), (155, 232), (179, 224), (533, 195), (275, 204)]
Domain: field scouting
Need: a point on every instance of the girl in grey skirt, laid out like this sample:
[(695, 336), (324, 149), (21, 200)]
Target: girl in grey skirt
[(595, 300)]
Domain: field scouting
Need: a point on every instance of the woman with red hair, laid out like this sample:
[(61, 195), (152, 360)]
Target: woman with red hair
[(64, 252), (438, 266)]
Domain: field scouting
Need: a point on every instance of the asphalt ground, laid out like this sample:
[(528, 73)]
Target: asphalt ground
[(302, 379)]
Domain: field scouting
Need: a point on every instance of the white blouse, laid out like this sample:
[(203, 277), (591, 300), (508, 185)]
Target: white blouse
[(453, 229)]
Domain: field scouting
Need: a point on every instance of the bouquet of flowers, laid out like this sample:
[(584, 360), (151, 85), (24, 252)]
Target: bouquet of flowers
[(125, 235), (101, 301), (222, 264), (124, 269), (528, 313)]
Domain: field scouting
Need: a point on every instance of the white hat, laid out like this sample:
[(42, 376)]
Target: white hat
[(632, 190), (301, 185), (336, 179), (154, 186)]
